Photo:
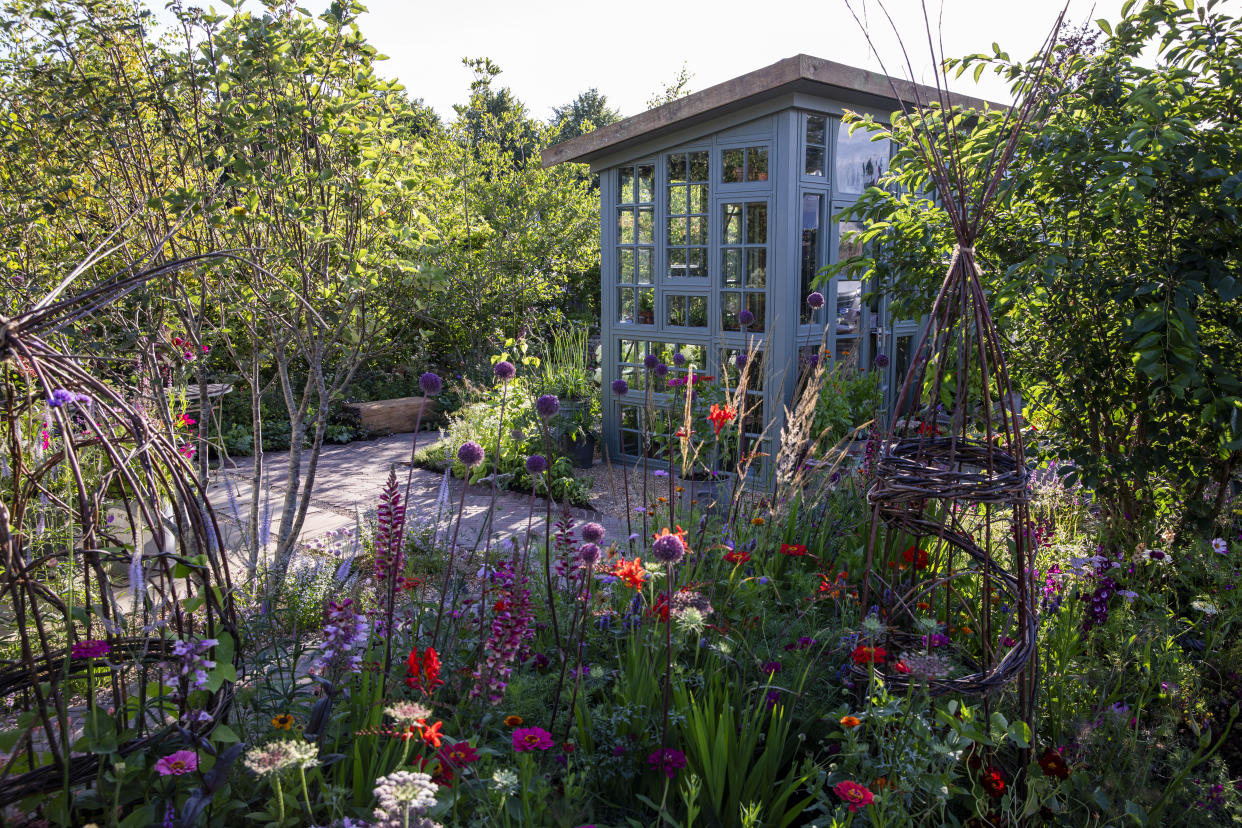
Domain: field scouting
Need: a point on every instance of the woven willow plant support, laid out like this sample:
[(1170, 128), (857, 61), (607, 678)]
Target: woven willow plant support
[(105, 536), (950, 535)]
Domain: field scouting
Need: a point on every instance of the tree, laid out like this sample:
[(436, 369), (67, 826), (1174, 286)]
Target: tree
[(585, 113), (1114, 261), (678, 88)]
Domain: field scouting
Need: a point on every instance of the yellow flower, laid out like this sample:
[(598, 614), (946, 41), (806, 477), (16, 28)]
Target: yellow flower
[(850, 721), (757, 521), (512, 721), (283, 722)]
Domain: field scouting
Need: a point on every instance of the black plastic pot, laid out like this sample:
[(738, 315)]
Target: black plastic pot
[(581, 451)]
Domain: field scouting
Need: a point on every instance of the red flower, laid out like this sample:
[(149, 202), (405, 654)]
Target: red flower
[(458, 755), (993, 782), (856, 795), (424, 674), (431, 734), (1053, 764), (901, 667), (437, 769), (735, 556), (660, 610), (720, 416), (794, 550), (869, 655), (915, 556)]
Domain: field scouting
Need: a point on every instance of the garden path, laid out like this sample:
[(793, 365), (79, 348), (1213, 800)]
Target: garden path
[(348, 480)]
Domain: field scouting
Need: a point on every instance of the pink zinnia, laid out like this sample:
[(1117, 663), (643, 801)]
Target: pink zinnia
[(175, 764), (531, 738), (91, 648), (856, 795)]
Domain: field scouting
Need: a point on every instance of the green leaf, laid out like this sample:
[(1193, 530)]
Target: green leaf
[(224, 734)]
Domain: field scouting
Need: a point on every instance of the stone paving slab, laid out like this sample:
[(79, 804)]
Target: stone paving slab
[(348, 481)]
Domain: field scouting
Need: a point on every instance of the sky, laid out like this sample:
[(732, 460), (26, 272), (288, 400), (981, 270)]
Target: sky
[(551, 51)]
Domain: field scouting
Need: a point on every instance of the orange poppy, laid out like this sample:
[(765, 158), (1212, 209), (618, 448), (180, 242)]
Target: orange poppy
[(850, 721)]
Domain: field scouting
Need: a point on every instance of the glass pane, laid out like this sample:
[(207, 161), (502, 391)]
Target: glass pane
[(817, 130), (847, 244), (676, 262), (677, 230), (698, 166), (731, 166), (696, 315), (730, 304), (677, 200), (630, 352), (625, 225), (697, 264), (646, 183), (625, 305), (646, 265), (757, 223), (676, 168), (731, 272), (756, 302), (625, 265), (646, 225), (847, 348), (632, 375), (811, 258), (815, 161), (860, 161), (756, 267), (625, 185), (697, 230), (732, 224), (757, 164), (629, 417), (698, 198), (675, 311), (646, 307), (849, 306), (696, 355)]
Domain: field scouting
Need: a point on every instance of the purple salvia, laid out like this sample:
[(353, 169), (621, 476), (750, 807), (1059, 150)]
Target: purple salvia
[(345, 634)]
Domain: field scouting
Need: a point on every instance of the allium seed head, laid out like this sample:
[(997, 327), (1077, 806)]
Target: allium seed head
[(504, 370), (430, 383), (470, 454)]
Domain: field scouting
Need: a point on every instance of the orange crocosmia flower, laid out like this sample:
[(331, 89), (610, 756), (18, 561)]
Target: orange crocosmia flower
[(719, 416), (431, 734), (630, 572), (850, 721)]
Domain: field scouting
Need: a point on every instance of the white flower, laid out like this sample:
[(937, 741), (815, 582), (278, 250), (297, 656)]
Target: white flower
[(276, 757), (1204, 607), (1220, 547), (505, 780), (408, 712), (403, 799)]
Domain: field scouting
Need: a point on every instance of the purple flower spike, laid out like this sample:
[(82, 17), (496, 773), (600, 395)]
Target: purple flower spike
[(815, 301), (504, 370), (470, 454), (650, 361), (536, 464), (547, 406), (592, 533), (746, 318), (620, 387), (430, 383)]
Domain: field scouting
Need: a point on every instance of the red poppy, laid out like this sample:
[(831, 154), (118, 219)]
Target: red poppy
[(794, 550), (869, 655), (993, 782), (915, 556)]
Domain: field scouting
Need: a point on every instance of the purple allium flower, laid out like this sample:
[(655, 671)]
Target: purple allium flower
[(650, 361), (470, 454), (588, 553), (620, 387), (60, 397), (592, 532), (812, 360), (661, 370), (881, 360), (668, 761), (745, 317), (504, 370), (536, 464), (91, 648), (679, 358), (668, 549), (547, 406), (430, 383), (815, 301), (740, 360)]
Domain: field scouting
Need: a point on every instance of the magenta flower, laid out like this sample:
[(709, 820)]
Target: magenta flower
[(668, 761), (176, 764), (91, 648), (531, 738)]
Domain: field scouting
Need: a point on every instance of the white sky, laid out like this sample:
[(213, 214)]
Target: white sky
[(550, 50)]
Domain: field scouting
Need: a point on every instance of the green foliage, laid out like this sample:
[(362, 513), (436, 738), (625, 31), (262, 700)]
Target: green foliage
[(1112, 259)]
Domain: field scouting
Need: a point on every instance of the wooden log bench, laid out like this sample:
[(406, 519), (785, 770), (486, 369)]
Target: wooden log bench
[(393, 416)]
